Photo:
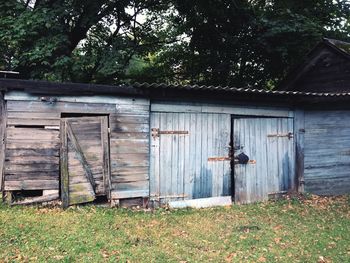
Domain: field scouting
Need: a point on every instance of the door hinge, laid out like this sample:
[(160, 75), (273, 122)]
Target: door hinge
[(156, 132), (289, 135)]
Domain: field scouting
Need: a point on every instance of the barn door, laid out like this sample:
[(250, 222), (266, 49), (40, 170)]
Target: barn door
[(268, 142), (84, 159), (189, 156)]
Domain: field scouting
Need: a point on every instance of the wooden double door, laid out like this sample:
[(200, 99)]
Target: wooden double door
[(84, 159), (195, 155)]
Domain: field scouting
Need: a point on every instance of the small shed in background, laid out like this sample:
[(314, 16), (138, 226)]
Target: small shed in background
[(326, 136)]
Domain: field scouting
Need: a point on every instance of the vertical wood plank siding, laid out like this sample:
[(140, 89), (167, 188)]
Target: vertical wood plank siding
[(327, 152), (180, 164), (271, 169)]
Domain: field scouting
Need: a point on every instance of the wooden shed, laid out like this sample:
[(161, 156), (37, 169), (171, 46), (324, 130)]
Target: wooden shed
[(326, 70), (155, 143)]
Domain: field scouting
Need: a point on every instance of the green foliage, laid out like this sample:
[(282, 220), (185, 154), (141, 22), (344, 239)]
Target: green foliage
[(220, 42)]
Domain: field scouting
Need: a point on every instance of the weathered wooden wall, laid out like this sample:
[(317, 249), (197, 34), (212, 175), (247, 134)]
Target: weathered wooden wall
[(327, 152), (32, 142), (129, 150)]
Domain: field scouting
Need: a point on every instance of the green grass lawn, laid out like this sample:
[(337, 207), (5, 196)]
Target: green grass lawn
[(313, 230)]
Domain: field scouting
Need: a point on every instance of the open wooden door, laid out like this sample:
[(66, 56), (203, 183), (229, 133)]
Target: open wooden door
[(268, 142), (84, 159)]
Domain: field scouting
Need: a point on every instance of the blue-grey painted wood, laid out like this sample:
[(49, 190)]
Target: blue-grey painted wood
[(212, 107), (271, 166), (327, 152), (180, 168)]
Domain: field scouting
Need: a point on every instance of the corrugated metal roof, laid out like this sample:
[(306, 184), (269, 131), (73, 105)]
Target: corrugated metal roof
[(144, 89), (236, 90)]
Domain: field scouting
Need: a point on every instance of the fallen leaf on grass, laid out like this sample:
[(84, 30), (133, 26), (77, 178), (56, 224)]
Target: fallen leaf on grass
[(277, 240), (321, 259), (262, 259), (230, 257), (278, 227)]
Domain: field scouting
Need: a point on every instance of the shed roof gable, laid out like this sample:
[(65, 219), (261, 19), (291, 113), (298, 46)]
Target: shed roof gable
[(326, 68)]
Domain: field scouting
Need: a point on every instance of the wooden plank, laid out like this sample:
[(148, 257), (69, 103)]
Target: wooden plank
[(204, 174), (129, 194), (116, 119), (20, 175), (130, 159), (181, 156), (24, 96), (106, 156), (63, 107), (64, 165), (32, 145), (32, 122), (47, 167), (31, 134), (13, 153), (34, 115), (154, 157), (38, 199), (24, 160), (122, 146), (130, 127), (166, 152), (80, 197), (31, 185), (131, 186), (189, 156), (191, 107), (132, 177), (129, 135)]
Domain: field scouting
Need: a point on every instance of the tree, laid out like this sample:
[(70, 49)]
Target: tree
[(90, 41), (252, 43), (219, 42)]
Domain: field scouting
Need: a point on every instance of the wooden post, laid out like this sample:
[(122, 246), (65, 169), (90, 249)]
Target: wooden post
[(64, 166), (299, 130), (106, 159), (2, 140), (8, 197)]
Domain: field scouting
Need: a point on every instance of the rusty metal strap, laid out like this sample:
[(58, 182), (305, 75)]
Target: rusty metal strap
[(172, 132), (288, 135), (222, 158), (156, 132)]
